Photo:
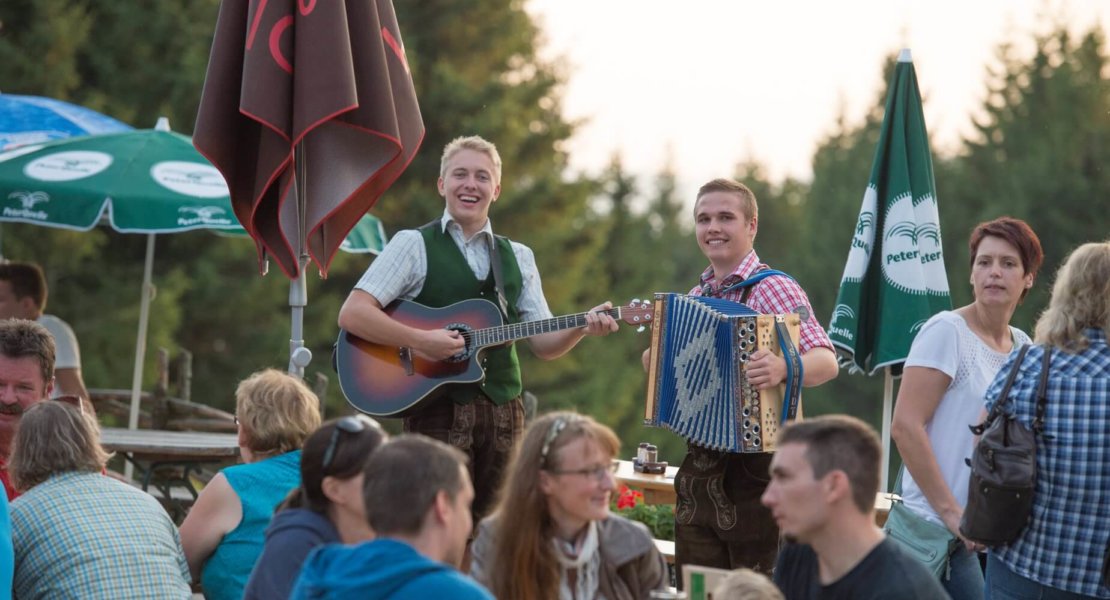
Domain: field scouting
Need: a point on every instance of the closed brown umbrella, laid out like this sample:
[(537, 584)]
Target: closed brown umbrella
[(310, 114)]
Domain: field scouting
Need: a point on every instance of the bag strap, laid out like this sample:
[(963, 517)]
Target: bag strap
[(1042, 391), (1004, 395)]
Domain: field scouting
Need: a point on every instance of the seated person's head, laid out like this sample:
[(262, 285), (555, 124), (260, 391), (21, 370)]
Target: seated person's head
[(331, 466), (414, 487), (276, 412), (55, 438), (822, 468), (22, 291), (746, 584), (26, 372), (562, 469)]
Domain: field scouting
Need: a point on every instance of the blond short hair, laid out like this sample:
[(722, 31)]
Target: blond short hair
[(476, 143), (748, 204), (55, 438), (276, 410), (746, 584)]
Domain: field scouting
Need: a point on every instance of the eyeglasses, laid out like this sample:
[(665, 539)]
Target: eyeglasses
[(599, 473), (346, 425), (74, 401)]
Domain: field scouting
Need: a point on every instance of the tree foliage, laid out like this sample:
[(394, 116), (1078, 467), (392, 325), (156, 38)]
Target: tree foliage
[(1038, 153)]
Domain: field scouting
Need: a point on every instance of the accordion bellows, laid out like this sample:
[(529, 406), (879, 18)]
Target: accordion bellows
[(697, 385)]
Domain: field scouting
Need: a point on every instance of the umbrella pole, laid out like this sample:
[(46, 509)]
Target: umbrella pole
[(140, 341), (888, 402), (299, 356)]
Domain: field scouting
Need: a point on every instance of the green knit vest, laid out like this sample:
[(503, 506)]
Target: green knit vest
[(450, 280)]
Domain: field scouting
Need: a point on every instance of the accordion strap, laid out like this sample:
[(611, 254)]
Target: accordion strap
[(754, 279), (792, 393)]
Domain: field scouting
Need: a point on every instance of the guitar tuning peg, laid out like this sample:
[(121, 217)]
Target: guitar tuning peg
[(640, 329), (635, 302)]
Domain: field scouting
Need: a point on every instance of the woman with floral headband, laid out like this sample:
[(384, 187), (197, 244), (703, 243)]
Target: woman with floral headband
[(559, 539)]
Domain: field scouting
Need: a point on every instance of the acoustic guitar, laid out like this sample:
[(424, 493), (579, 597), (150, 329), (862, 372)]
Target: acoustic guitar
[(387, 381)]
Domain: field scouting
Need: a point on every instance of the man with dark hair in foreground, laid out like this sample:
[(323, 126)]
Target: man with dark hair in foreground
[(824, 477)]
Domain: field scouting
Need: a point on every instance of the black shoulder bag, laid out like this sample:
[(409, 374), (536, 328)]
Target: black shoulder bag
[(1004, 467)]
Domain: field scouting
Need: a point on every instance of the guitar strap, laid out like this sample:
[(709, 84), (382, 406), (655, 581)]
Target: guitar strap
[(498, 276)]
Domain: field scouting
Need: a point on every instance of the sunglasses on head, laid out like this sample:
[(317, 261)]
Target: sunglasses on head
[(345, 425)]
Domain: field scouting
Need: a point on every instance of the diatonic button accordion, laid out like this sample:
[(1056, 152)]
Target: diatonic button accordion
[(697, 385)]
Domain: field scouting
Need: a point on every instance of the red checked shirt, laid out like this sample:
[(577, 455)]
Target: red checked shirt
[(774, 295)]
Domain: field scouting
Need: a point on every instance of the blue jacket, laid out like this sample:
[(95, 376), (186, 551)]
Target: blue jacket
[(291, 536), (378, 570)]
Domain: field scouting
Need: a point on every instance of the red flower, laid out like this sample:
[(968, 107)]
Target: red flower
[(626, 501)]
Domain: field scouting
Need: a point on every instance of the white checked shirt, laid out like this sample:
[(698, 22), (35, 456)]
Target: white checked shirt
[(400, 270)]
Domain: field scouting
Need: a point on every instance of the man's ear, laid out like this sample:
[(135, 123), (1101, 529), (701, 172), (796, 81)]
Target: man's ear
[(439, 186), (442, 507), (28, 306), (837, 486)]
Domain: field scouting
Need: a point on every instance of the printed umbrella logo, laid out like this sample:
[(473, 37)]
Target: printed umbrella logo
[(864, 238), (911, 258), (29, 199), (206, 215), (67, 166), (190, 178)]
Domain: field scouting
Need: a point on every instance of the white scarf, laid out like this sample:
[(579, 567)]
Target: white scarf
[(586, 563)]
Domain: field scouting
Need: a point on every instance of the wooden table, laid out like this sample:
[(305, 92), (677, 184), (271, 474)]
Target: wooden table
[(659, 489), (167, 459)]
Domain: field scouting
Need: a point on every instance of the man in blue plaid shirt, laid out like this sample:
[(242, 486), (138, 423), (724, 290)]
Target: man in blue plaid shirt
[(1065, 543)]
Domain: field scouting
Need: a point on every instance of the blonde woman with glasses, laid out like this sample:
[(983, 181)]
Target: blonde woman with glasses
[(552, 535)]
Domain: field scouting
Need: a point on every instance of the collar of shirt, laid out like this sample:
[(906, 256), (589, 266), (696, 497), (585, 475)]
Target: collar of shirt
[(446, 221), (749, 265)]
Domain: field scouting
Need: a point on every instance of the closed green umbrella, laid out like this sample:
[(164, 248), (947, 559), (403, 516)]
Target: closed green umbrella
[(894, 278)]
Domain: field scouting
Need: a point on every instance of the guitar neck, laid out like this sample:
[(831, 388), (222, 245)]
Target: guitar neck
[(492, 336)]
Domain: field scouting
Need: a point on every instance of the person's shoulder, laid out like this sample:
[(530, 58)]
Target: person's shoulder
[(897, 570), (55, 324), (444, 583), (623, 540)]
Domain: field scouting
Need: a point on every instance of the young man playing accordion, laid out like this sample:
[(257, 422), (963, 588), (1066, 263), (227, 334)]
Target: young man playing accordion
[(719, 521)]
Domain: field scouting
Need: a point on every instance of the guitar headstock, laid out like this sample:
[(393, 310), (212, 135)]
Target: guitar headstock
[(638, 312)]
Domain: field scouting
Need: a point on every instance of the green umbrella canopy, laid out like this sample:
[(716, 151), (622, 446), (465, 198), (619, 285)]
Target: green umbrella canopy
[(143, 181)]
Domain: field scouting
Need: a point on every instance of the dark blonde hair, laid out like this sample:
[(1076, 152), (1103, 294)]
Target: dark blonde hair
[(276, 410), (477, 144), (748, 205), (1080, 299), (527, 568), (746, 584), (55, 438)]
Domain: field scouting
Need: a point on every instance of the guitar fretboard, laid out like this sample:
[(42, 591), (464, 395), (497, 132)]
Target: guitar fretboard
[(491, 336)]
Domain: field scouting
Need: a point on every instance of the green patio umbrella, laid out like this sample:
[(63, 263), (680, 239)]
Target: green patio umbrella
[(144, 181), (894, 277), (148, 181)]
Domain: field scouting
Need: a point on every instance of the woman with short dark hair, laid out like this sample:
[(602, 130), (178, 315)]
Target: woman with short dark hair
[(953, 359)]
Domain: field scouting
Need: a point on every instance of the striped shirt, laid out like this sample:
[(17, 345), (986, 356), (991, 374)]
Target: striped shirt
[(84, 535), (774, 295), (1069, 531), (399, 271)]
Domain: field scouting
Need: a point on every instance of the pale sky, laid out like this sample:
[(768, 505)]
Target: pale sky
[(717, 81)]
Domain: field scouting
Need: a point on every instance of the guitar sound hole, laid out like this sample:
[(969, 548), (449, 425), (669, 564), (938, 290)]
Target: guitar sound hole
[(463, 356)]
